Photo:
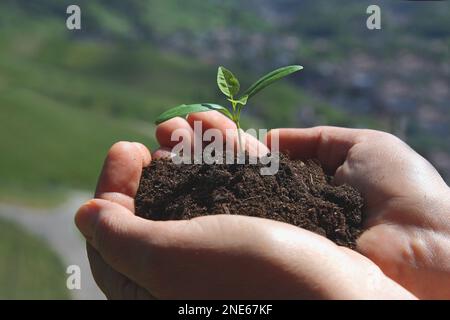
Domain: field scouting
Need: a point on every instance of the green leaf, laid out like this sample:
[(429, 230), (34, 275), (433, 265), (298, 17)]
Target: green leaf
[(242, 100), (227, 82), (219, 108), (185, 109), (271, 78)]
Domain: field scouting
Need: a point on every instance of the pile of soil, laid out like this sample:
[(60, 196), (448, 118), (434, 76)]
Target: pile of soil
[(300, 194)]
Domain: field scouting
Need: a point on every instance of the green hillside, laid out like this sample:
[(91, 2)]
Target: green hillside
[(29, 270)]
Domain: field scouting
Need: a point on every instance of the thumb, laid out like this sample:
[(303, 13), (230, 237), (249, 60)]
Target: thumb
[(121, 238)]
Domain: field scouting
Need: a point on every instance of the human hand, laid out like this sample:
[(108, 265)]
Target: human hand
[(407, 204), (215, 256)]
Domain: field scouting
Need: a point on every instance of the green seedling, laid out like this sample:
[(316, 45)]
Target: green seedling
[(229, 85)]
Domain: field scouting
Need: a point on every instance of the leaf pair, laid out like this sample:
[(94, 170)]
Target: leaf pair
[(230, 86)]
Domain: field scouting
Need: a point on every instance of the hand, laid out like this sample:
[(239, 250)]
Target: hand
[(407, 204), (214, 256)]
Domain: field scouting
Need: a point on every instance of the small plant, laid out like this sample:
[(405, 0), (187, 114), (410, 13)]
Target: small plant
[(229, 85)]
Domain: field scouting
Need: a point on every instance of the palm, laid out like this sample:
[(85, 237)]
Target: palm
[(266, 271)]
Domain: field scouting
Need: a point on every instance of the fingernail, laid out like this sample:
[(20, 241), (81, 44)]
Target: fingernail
[(86, 218)]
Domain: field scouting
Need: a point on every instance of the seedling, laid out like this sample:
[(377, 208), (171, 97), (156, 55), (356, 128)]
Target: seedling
[(229, 85)]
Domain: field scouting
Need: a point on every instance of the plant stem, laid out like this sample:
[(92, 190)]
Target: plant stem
[(239, 136), (236, 118)]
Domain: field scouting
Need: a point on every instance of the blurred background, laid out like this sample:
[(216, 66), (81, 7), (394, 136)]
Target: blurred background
[(67, 96)]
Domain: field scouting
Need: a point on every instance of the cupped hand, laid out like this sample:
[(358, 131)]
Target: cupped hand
[(225, 256), (407, 203)]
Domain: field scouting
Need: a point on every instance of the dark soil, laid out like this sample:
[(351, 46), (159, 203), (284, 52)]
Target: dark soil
[(299, 194)]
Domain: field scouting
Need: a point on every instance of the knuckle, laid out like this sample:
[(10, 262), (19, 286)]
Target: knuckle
[(321, 130), (379, 133), (382, 138), (369, 135)]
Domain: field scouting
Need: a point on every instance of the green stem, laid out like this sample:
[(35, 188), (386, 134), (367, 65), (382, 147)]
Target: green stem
[(236, 118), (238, 125), (233, 104)]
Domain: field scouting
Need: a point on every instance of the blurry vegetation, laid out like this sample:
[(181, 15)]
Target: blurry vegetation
[(29, 270), (57, 124)]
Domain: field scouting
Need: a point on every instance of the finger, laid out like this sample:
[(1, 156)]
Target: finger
[(212, 120), (329, 145), (112, 283), (117, 235), (163, 255), (119, 179), (165, 130), (144, 250), (149, 253), (145, 153), (216, 120), (162, 153)]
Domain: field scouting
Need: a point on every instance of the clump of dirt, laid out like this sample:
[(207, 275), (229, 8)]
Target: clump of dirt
[(300, 194)]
